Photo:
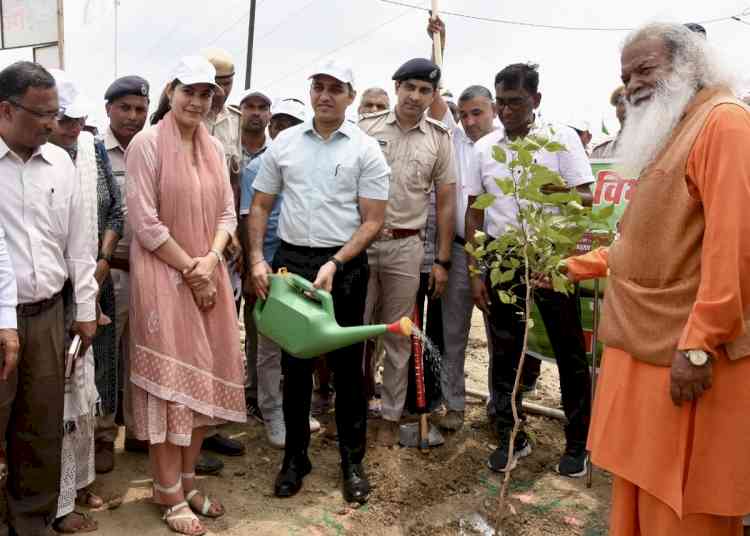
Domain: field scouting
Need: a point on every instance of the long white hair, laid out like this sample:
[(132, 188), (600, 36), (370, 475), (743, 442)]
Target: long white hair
[(648, 126)]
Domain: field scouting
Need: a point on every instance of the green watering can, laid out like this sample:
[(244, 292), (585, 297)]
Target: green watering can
[(300, 318)]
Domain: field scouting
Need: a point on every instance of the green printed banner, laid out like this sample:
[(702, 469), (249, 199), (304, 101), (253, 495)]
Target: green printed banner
[(610, 188)]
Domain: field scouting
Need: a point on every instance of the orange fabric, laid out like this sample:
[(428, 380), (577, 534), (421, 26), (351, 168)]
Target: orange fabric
[(694, 458), (591, 265), (635, 512), (719, 176)]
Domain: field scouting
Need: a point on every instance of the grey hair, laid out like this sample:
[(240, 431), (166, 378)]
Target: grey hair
[(688, 51), (475, 92), (375, 91)]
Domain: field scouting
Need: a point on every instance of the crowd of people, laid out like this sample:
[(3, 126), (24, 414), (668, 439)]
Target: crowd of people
[(127, 257)]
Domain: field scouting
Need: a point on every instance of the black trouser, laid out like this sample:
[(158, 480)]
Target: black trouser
[(562, 320), (432, 325), (349, 293)]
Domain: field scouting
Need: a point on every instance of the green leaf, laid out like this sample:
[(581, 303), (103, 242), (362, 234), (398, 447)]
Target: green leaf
[(480, 237), (530, 323), (495, 275), (469, 248), (561, 283), (525, 158), (604, 128), (507, 186), (505, 297), (483, 201), (554, 147), (507, 275), (604, 213), (499, 154)]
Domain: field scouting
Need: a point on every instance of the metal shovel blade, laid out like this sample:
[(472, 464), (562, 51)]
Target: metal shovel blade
[(409, 436)]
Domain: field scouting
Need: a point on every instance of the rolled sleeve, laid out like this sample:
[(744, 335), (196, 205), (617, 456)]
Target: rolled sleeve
[(575, 167), (143, 198), (8, 288), (374, 181), (269, 179), (81, 264)]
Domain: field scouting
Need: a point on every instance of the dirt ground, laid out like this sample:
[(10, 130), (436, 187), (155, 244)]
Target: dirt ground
[(449, 491)]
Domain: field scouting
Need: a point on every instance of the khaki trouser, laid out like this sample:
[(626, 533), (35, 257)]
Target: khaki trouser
[(391, 294), (31, 418)]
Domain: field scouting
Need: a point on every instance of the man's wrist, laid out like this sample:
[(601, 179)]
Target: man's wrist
[(697, 357)]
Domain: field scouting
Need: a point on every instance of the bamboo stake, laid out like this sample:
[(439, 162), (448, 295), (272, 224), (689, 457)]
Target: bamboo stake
[(594, 344), (437, 41)]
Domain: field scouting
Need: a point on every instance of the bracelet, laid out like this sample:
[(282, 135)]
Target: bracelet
[(258, 262), (219, 256)]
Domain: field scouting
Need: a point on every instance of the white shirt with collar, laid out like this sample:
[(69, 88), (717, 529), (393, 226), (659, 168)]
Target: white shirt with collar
[(116, 153), (46, 226), (572, 164), (321, 181), (466, 163), (8, 291)]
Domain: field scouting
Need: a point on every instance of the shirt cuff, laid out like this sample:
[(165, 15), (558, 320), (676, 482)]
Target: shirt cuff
[(85, 312), (8, 318)]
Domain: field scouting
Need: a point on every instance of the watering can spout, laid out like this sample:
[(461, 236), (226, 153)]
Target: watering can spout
[(401, 327)]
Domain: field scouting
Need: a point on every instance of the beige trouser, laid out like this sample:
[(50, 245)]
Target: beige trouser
[(391, 294)]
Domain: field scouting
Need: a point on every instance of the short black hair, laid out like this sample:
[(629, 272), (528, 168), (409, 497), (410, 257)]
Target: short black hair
[(519, 75), (18, 77), (472, 92)]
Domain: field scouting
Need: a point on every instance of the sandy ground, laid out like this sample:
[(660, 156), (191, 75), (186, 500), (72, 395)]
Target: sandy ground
[(450, 491)]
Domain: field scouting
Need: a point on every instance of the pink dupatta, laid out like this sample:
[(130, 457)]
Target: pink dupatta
[(179, 353)]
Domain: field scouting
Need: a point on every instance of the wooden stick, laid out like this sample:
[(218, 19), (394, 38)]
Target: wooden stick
[(594, 344), (529, 407), (437, 41)]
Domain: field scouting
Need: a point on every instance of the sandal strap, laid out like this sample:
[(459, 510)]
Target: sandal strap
[(172, 489), (207, 504), (170, 511)]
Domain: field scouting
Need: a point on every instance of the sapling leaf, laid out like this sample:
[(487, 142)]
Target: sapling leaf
[(483, 201), (499, 154)]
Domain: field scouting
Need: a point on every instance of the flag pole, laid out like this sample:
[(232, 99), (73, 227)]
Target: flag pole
[(60, 34), (437, 42)]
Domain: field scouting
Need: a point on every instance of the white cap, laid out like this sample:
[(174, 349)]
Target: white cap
[(580, 124), (66, 89), (291, 107), (194, 70), (80, 107), (338, 70)]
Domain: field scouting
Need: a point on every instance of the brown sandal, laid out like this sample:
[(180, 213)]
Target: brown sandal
[(86, 497), (67, 524)]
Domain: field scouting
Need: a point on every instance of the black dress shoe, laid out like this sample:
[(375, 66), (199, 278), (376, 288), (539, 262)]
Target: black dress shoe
[(206, 465), (223, 445), (136, 445), (356, 486), (289, 480)]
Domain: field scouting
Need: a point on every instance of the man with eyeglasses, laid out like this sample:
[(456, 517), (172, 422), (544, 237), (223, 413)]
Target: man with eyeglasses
[(46, 224), (517, 99)]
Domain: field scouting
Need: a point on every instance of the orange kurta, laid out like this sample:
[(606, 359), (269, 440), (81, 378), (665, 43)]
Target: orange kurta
[(694, 458)]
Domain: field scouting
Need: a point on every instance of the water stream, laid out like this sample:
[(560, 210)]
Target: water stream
[(431, 356)]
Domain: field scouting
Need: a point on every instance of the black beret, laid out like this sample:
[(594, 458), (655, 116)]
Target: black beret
[(127, 85), (419, 69)]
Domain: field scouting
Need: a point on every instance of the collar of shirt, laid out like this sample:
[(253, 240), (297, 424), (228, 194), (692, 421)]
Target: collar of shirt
[(111, 142), (422, 124), (346, 129), (247, 156), (41, 152)]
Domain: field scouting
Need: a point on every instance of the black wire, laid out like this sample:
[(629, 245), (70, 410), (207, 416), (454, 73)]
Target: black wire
[(534, 25)]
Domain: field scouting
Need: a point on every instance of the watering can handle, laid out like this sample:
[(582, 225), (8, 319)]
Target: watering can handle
[(326, 300)]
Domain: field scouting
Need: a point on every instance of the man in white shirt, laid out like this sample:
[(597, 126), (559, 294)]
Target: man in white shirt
[(476, 108), (47, 236), (517, 98), (8, 323)]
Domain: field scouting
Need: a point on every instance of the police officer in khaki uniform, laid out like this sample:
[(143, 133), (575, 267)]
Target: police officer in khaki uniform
[(420, 153)]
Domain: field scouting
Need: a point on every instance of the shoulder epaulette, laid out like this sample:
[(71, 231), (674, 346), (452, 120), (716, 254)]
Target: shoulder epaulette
[(439, 124)]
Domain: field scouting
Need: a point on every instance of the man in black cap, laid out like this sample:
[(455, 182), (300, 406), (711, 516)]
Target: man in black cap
[(420, 153), (127, 107)]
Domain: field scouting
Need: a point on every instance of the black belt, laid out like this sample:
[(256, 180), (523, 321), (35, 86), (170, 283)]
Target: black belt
[(33, 309), (460, 241)]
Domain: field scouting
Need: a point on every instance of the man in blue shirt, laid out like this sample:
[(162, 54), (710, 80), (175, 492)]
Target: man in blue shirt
[(286, 113)]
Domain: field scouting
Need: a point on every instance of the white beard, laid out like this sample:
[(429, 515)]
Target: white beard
[(649, 125)]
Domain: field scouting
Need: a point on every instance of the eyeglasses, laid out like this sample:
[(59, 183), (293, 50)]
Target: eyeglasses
[(514, 103), (35, 113)]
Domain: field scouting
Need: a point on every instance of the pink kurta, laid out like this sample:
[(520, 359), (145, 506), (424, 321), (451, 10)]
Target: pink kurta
[(186, 365)]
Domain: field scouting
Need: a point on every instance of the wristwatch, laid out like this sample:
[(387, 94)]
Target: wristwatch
[(107, 257), (445, 264), (697, 358), (338, 263)]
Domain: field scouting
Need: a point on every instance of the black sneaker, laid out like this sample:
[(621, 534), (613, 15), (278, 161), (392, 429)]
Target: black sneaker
[(573, 463), (253, 410), (498, 460)]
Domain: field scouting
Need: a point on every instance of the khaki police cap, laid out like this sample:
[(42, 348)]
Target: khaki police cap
[(221, 60)]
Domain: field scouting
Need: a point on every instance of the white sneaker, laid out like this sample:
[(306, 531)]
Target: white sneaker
[(314, 424), (276, 432)]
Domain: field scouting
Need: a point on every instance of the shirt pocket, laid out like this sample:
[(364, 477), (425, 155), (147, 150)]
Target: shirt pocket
[(343, 188), (420, 173), (51, 211)]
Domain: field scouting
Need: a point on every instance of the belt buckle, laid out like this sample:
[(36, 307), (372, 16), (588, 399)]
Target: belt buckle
[(385, 234)]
